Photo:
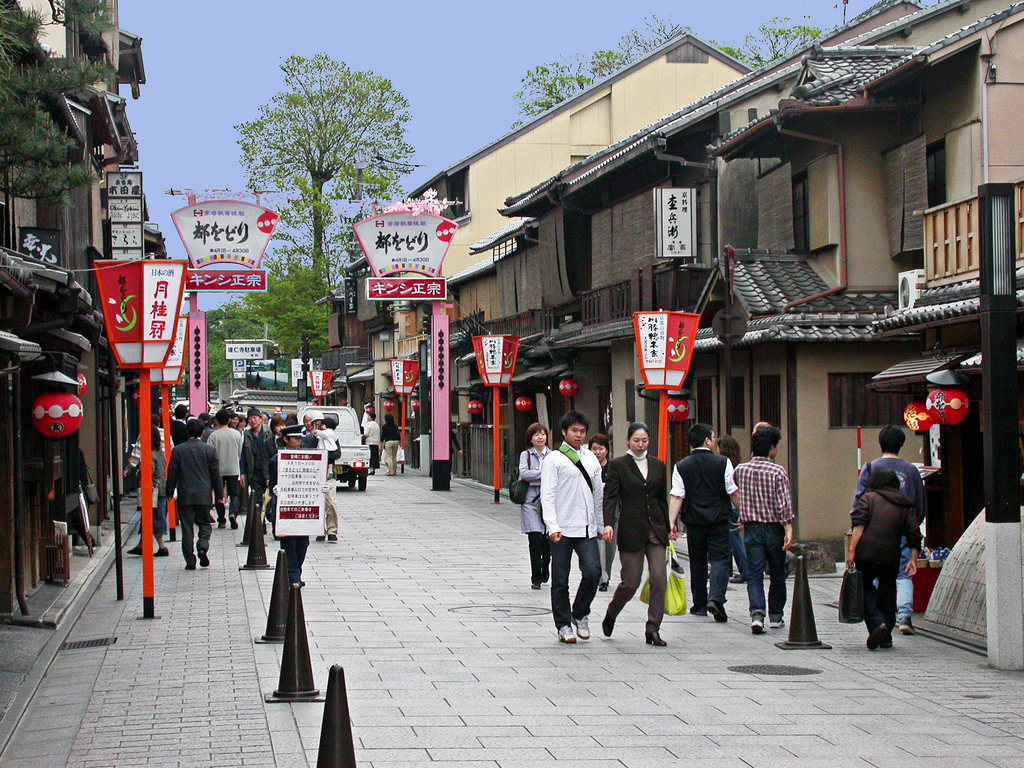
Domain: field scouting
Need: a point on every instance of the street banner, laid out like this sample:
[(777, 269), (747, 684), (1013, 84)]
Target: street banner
[(174, 367), (496, 358), (675, 213), (320, 382), (220, 232), (406, 288), (301, 477), (227, 280), (198, 383), (405, 242), (664, 343), (404, 375)]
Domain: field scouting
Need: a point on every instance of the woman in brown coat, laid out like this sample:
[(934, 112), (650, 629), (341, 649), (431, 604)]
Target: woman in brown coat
[(637, 487)]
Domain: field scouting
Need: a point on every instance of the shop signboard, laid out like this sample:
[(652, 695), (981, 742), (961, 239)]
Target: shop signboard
[(227, 280), (676, 223), (406, 289), (405, 242), (301, 478), (225, 232), (125, 214), (41, 244)]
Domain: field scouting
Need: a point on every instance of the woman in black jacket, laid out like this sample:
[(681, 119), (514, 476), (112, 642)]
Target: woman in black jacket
[(637, 487), (882, 517)]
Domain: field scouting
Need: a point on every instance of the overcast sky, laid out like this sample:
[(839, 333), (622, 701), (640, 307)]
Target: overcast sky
[(211, 64)]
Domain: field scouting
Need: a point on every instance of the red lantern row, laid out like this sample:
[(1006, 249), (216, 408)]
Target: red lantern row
[(523, 404), (57, 414), (947, 407), (569, 387), (475, 407), (678, 410)]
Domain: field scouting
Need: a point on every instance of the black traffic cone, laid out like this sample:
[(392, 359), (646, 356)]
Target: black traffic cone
[(336, 747), (802, 632), (246, 532), (296, 681), (277, 615), (256, 557)]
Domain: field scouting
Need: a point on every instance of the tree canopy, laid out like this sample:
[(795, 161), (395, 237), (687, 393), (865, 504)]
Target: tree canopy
[(772, 40)]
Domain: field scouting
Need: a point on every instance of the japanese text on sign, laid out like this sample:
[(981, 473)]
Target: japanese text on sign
[(395, 288), (227, 280), (244, 351), (676, 222), (403, 242), (301, 476)]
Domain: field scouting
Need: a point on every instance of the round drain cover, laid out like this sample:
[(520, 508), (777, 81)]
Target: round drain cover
[(773, 669), (501, 611)]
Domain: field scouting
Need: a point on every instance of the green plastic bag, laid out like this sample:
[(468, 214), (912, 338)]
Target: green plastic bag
[(675, 589)]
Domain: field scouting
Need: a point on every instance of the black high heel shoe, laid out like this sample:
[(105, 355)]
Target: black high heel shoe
[(653, 638)]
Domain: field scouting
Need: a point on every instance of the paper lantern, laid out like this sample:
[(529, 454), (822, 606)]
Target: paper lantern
[(569, 387), (917, 418), (57, 414), (404, 374), (664, 344), (81, 384), (415, 405), (389, 405), (678, 409), (319, 382), (496, 358), (523, 404), (947, 406), (475, 407)]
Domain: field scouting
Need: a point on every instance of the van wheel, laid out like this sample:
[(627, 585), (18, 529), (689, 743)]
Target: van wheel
[(352, 482), (362, 482)]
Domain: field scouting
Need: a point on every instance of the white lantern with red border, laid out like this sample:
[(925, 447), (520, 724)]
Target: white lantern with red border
[(569, 388), (475, 407), (57, 414), (496, 358), (174, 368), (678, 409), (664, 343), (523, 404), (320, 382), (404, 374)]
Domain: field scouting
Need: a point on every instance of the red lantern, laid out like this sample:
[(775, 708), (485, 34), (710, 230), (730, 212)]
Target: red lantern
[(81, 384), (523, 404), (475, 407), (947, 406), (389, 405), (917, 418), (678, 409), (415, 405), (57, 414), (568, 388)]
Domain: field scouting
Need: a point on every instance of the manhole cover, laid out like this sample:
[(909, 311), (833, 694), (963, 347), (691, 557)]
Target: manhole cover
[(773, 669), (371, 558), (501, 611), (75, 645)]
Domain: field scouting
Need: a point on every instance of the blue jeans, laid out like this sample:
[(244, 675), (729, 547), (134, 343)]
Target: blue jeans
[(561, 563), (904, 586), (739, 551), (764, 542)]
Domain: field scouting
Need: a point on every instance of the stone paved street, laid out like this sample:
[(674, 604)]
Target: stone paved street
[(451, 661)]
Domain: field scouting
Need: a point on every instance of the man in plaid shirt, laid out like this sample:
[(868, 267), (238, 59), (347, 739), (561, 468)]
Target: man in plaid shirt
[(766, 515)]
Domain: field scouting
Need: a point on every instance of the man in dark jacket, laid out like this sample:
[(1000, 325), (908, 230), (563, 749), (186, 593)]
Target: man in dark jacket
[(179, 434), (195, 473), (255, 461), (702, 486)]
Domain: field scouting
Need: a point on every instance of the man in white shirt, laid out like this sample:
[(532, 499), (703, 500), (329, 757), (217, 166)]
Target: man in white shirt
[(571, 502)]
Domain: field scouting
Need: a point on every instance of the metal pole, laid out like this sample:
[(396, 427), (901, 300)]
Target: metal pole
[(146, 492), (165, 413), (115, 476), (663, 425), (496, 442)]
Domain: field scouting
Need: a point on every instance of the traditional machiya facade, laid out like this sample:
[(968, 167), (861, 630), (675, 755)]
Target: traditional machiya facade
[(814, 197), (50, 327)]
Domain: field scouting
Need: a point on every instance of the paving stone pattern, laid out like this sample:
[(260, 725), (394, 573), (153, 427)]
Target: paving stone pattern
[(451, 661)]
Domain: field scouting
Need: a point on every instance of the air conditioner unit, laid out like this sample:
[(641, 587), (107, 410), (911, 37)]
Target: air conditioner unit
[(911, 284)]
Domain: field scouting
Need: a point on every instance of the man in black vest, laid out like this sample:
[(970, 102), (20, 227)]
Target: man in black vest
[(703, 492)]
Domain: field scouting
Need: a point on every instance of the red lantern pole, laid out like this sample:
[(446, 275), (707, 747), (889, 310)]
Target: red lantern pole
[(165, 417), (146, 493), (496, 444), (403, 431), (663, 425)]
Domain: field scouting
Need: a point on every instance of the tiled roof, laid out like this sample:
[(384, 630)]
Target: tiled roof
[(803, 327), (973, 364), (947, 302), (474, 270), (832, 76), (501, 235)]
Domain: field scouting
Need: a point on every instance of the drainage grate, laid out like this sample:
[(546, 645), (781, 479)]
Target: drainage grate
[(501, 611), (76, 645), (774, 669), (371, 558)]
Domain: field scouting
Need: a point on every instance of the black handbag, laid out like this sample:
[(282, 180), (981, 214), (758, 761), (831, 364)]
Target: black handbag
[(517, 487), (851, 597)]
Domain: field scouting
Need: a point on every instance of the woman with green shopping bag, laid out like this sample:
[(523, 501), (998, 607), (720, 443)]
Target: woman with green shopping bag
[(637, 484)]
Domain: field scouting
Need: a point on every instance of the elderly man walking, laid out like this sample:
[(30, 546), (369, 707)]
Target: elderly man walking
[(195, 473), (766, 514)]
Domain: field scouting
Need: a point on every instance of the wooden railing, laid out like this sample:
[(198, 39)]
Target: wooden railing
[(337, 358), (410, 345), (613, 302)]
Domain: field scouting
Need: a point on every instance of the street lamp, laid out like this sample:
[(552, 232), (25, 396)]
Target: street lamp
[(361, 160), (998, 315)]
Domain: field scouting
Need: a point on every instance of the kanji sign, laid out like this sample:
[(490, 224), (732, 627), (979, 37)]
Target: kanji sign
[(664, 343), (676, 222), (301, 477), (125, 214), (405, 242), (41, 244), (244, 350), (141, 301), (404, 374), (399, 288), (227, 280), (496, 358), (320, 382), (124, 184), (225, 232), (174, 367)]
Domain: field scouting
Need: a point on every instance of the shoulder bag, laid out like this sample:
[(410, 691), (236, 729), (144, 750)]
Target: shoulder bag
[(517, 487)]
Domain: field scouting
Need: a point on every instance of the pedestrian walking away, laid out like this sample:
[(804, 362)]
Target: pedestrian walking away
[(882, 520), (194, 473), (601, 447), (531, 522), (703, 493), (766, 517), (571, 496), (159, 497), (371, 436), (227, 442), (636, 488), (179, 434), (730, 448), (294, 546), (391, 438), (255, 462), (890, 440)]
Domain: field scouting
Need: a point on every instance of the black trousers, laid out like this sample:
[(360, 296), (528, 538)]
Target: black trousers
[(708, 545), (879, 601), (540, 557), (233, 490)]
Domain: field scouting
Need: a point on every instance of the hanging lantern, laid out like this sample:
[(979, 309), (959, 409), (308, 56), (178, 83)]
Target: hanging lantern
[(569, 388), (947, 406), (678, 409), (57, 414), (475, 407), (389, 405), (415, 405), (917, 418), (404, 375), (523, 404), (81, 384), (496, 358)]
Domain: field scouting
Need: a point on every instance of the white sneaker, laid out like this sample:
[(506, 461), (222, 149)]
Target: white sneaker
[(582, 628), (566, 635), (757, 626), (777, 623)]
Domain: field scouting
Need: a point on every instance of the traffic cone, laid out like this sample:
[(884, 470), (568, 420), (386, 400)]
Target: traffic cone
[(247, 529), (296, 681), (277, 614), (256, 557), (336, 747), (802, 632)]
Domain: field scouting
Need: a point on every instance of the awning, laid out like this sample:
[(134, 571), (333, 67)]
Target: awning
[(364, 375), (540, 374), (910, 372), (19, 346), (973, 363)]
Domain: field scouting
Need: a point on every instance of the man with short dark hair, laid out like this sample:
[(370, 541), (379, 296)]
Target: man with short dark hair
[(766, 514), (195, 473), (255, 462), (228, 444), (571, 495), (179, 434), (702, 489), (890, 440)]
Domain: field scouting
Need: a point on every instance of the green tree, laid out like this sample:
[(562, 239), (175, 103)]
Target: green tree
[(36, 152), (228, 321), (772, 40), (546, 85), (306, 138)]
